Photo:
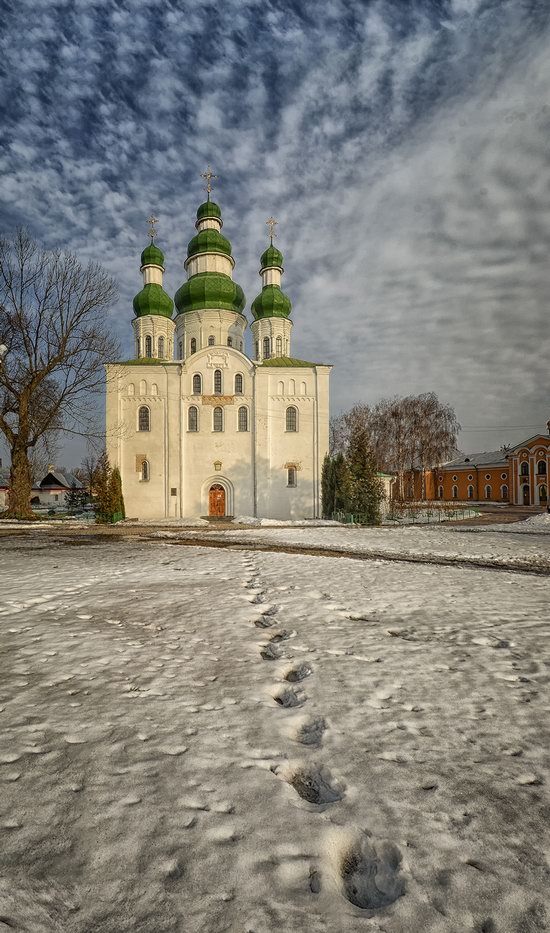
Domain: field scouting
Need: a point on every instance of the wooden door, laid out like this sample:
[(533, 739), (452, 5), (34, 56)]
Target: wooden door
[(216, 501), (526, 497)]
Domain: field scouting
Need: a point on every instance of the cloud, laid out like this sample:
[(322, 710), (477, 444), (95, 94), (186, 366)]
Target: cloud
[(403, 149)]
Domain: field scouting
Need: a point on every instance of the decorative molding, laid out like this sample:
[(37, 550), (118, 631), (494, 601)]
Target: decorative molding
[(217, 400), (217, 360)]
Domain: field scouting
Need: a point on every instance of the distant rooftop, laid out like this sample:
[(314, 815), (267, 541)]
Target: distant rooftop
[(481, 459)]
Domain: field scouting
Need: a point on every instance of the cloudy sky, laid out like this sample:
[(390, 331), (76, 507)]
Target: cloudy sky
[(403, 146)]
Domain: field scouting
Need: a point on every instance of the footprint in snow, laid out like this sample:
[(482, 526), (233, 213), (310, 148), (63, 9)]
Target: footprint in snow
[(369, 873), (280, 635), (296, 674), (270, 653), (290, 697), (309, 731), (314, 784)]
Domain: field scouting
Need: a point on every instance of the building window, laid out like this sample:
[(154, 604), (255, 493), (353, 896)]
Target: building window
[(455, 492), (291, 418), (218, 419), (488, 492), (211, 341), (145, 471), (144, 419), (543, 495), (267, 348), (148, 347), (504, 476), (243, 418), (524, 469), (455, 479), (238, 384), (193, 418), (257, 350), (241, 346), (217, 382), (161, 348), (279, 346), (230, 341), (193, 345), (131, 389), (180, 349), (541, 468), (504, 492), (470, 477), (470, 492), (292, 476), (440, 492), (487, 476), (197, 384)]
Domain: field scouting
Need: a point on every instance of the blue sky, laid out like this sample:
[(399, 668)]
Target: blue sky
[(404, 148)]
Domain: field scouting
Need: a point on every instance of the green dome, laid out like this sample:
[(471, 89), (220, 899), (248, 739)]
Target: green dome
[(152, 256), (271, 257), (209, 209), (271, 302), (152, 299), (208, 241), (210, 290)]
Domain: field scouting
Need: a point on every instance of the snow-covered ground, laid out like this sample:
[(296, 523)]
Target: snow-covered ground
[(208, 740)]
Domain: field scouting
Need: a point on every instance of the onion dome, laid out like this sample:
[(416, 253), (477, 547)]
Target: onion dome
[(152, 256), (209, 210), (271, 302), (152, 299), (208, 241), (271, 257), (210, 290)]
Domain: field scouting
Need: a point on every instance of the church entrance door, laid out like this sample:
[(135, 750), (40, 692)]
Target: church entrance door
[(526, 496), (216, 501)]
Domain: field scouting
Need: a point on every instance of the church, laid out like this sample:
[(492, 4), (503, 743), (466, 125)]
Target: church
[(196, 427)]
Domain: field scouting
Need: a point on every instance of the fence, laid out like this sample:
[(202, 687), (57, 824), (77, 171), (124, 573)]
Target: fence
[(402, 515)]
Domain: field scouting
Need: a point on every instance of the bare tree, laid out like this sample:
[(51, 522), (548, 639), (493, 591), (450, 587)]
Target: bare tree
[(53, 325)]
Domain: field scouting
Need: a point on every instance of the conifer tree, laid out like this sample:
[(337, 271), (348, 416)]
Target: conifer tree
[(327, 487), (365, 487), (102, 488), (116, 499)]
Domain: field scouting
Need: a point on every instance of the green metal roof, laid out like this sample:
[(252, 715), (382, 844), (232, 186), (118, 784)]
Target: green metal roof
[(289, 361), (152, 299), (271, 302), (152, 256), (271, 257), (209, 209), (208, 241), (210, 290), (146, 361)]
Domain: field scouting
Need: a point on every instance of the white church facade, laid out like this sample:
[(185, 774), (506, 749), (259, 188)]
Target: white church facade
[(195, 426)]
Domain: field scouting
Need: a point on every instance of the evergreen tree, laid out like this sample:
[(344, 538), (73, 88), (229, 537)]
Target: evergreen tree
[(341, 484), (365, 487), (116, 499), (102, 488), (327, 487), (74, 500)]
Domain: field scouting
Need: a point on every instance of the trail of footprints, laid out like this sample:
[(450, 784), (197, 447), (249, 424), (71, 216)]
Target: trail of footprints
[(369, 872)]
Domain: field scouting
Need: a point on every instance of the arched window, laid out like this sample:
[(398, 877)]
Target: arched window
[(267, 348), (488, 492), (280, 388), (148, 346), (292, 387), (145, 471), (291, 418), (197, 384), (143, 387), (217, 382), (303, 389), (180, 349), (193, 345), (543, 495), (144, 419), (455, 492), (524, 469), (154, 388), (279, 346), (230, 341), (541, 467), (131, 389), (211, 340), (291, 476), (238, 384), (161, 348), (193, 418), (241, 346), (257, 349), (504, 491), (470, 492), (440, 492), (243, 418), (218, 419)]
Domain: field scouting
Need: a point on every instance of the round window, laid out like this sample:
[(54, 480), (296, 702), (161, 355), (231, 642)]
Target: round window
[(487, 476), (440, 478), (470, 476), (504, 476), (455, 479)]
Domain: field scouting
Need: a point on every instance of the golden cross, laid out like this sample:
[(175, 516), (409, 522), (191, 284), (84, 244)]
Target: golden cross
[(209, 175), (152, 221), (271, 223)]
